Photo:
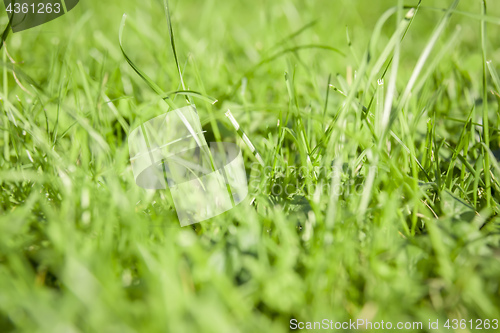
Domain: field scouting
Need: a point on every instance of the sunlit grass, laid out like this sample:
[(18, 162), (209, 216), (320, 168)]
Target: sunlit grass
[(378, 198)]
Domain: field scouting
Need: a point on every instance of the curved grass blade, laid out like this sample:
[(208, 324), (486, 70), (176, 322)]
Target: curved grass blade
[(479, 17), (172, 44), (294, 34), (156, 88), (279, 54), (143, 75), (425, 54), (192, 93)]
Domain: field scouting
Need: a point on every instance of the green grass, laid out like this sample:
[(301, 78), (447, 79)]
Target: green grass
[(382, 125)]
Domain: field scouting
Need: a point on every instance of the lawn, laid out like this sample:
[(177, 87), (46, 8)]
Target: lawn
[(377, 197)]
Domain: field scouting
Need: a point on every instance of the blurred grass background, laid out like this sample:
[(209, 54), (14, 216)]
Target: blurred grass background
[(82, 248)]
